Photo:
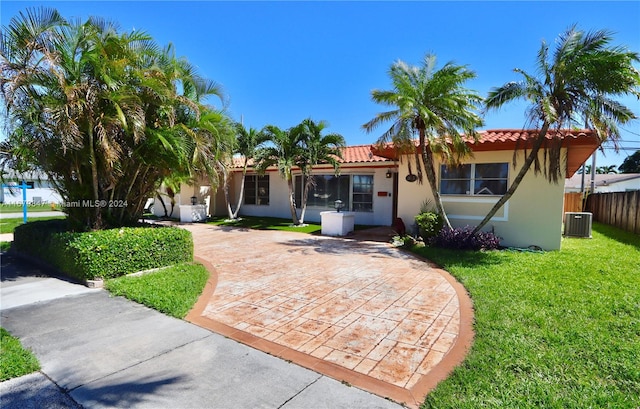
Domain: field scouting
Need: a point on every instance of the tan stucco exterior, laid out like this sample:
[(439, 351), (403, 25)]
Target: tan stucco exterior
[(532, 217)]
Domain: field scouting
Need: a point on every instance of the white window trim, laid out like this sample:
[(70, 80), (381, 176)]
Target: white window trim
[(476, 199)]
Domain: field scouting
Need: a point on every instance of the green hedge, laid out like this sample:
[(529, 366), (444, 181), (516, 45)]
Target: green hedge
[(104, 253)]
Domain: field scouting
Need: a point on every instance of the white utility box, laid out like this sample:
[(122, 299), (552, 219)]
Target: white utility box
[(193, 213), (337, 223)]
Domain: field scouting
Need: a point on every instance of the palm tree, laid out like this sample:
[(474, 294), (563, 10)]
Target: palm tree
[(436, 104), (576, 86), (248, 141), (317, 148), (606, 170), (285, 153), (106, 115)]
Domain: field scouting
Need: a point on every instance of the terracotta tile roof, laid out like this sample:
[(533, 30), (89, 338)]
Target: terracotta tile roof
[(360, 153), (350, 154), (507, 137), (581, 143)]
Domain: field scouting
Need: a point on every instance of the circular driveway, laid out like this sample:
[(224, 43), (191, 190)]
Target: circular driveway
[(361, 312)]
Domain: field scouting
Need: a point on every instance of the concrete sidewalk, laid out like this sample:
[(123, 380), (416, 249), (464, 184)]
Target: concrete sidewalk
[(30, 215), (102, 352)]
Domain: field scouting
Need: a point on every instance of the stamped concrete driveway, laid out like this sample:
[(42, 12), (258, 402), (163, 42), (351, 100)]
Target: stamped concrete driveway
[(361, 312)]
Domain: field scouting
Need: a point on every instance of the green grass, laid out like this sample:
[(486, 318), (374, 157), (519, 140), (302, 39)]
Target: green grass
[(9, 225), (555, 330), (17, 208), (266, 223), (273, 223), (4, 246), (172, 290), (15, 361)]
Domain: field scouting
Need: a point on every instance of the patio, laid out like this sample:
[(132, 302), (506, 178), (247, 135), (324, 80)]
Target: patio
[(361, 312)]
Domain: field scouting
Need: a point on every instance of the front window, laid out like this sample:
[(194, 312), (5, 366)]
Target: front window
[(362, 193), (256, 190), (355, 191), (474, 179)]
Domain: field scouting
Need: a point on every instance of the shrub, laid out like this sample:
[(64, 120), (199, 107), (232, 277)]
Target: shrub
[(104, 253), (429, 224), (461, 238)]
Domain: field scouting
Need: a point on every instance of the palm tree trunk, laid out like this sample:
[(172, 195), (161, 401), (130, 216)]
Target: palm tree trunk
[(516, 182), (305, 195), (241, 195), (427, 159), (97, 222), (225, 189), (292, 202)]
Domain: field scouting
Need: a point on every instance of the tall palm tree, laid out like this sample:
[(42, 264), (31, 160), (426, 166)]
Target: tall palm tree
[(285, 152), (248, 141), (317, 149), (576, 86), (435, 104)]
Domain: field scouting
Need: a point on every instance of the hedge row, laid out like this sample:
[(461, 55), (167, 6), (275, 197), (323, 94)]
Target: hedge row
[(106, 253)]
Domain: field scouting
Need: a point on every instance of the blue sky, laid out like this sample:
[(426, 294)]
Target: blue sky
[(282, 62)]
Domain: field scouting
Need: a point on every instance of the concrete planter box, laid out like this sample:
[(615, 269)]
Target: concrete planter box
[(193, 213), (337, 223)]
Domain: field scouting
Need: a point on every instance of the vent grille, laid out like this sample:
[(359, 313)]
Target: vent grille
[(577, 224)]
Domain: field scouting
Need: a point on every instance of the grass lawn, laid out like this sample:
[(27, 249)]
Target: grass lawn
[(15, 361), (17, 208), (8, 225), (266, 223), (273, 223), (173, 290), (555, 330)]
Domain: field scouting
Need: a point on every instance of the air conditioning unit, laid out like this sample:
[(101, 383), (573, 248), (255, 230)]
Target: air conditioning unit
[(577, 224)]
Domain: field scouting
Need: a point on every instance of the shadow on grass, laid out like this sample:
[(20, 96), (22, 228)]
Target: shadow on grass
[(617, 234)]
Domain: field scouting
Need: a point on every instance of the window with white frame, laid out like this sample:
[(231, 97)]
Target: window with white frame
[(474, 179), (256, 190), (355, 191)]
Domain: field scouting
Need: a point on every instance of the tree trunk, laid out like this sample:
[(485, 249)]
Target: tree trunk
[(516, 182), (97, 221), (305, 195), (427, 161), (241, 195), (292, 202), (225, 189)]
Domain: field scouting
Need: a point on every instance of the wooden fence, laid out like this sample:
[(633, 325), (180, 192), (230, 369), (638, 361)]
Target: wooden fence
[(572, 202), (620, 209)]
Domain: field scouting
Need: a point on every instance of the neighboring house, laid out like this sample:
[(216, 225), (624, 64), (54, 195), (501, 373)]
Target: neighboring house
[(533, 216), (604, 183), (40, 190)]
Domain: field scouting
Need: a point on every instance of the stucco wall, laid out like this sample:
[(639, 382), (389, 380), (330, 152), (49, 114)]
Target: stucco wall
[(279, 192), (533, 216)]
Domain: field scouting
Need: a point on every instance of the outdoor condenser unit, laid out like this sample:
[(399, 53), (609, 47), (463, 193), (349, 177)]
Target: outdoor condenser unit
[(577, 224)]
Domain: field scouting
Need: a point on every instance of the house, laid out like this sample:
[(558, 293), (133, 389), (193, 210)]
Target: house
[(365, 185), (604, 183), (40, 189), (533, 215), (379, 184)]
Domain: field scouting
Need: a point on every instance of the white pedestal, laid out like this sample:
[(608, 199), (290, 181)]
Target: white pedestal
[(193, 213), (337, 223)]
